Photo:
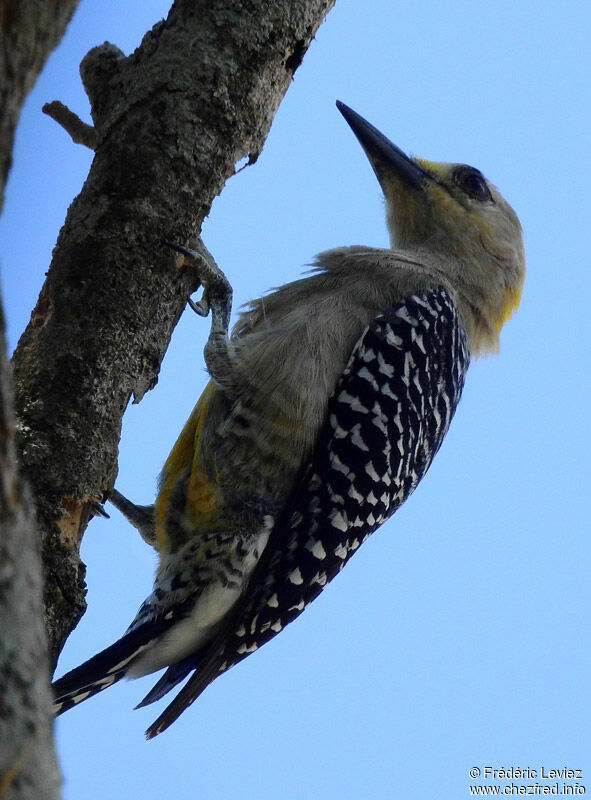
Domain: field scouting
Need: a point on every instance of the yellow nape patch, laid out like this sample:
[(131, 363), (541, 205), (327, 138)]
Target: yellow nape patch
[(509, 307), (180, 460)]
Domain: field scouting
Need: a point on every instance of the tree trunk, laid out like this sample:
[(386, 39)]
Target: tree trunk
[(170, 123), (28, 767), (29, 30)]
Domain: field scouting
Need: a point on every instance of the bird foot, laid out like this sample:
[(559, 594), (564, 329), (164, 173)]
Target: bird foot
[(217, 290)]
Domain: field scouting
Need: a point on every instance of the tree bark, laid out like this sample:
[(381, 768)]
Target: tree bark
[(28, 767), (29, 30), (170, 123)]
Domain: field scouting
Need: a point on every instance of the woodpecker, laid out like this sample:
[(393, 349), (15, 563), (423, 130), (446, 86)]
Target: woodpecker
[(324, 409)]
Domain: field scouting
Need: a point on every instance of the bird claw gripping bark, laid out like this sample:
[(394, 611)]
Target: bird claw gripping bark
[(201, 307), (217, 291)]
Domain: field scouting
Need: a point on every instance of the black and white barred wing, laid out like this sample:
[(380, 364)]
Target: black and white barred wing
[(389, 414), (386, 420)]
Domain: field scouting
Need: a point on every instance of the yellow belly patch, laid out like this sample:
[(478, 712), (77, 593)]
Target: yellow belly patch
[(200, 493)]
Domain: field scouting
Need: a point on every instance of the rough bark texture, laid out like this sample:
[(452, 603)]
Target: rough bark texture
[(28, 767), (170, 121), (29, 30)]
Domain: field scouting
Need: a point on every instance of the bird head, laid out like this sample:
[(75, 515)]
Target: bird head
[(451, 213)]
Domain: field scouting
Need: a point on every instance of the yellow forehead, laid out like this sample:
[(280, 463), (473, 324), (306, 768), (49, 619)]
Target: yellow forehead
[(435, 168)]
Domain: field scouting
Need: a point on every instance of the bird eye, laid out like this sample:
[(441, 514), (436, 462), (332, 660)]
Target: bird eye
[(472, 182)]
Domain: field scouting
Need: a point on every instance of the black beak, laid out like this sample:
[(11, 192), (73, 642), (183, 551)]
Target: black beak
[(383, 155)]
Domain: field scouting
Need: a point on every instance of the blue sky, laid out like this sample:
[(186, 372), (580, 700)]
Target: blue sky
[(458, 636)]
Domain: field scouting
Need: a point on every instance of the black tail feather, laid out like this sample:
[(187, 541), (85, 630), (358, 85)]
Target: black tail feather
[(173, 676), (209, 669), (105, 668)]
